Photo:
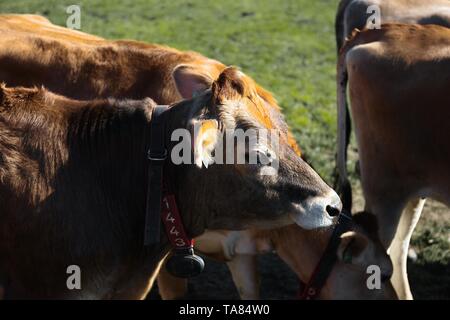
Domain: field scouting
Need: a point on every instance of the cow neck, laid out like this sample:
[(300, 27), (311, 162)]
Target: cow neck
[(161, 202)]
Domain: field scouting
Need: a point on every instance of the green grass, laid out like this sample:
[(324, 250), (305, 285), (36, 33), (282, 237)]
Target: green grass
[(287, 46)]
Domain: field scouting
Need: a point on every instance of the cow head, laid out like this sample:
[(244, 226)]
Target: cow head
[(230, 193), (363, 268)]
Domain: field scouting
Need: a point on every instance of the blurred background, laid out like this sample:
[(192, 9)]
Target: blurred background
[(288, 47)]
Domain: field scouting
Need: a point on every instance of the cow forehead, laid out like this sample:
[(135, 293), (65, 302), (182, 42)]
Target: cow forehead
[(257, 101), (259, 104), (263, 107), (258, 110)]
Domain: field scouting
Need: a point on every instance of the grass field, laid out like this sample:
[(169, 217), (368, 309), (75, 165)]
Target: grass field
[(288, 47)]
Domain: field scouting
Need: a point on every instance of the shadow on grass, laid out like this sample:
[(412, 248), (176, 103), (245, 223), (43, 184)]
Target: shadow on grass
[(429, 281), (215, 283)]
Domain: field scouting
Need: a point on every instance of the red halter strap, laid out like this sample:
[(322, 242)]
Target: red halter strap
[(161, 203), (173, 224)]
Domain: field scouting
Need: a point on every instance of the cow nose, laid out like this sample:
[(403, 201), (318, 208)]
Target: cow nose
[(332, 210), (319, 211)]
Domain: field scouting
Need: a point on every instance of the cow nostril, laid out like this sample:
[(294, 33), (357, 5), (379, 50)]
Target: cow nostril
[(333, 211)]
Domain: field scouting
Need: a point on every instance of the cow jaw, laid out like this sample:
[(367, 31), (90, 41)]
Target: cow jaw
[(313, 213)]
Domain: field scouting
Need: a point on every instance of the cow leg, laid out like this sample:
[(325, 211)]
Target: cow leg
[(244, 270), (170, 287), (387, 207), (399, 247), (388, 212)]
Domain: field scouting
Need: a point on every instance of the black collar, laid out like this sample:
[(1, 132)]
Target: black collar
[(157, 155), (162, 206)]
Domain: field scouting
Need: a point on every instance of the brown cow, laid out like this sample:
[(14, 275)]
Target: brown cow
[(398, 81), (352, 14), (83, 66), (300, 250), (73, 184), (356, 14)]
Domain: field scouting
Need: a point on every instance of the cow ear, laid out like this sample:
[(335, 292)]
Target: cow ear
[(206, 137), (190, 79), (230, 85), (352, 246)]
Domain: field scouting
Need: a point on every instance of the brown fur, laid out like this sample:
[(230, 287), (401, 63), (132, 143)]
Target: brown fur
[(73, 184), (398, 83), (56, 188), (352, 15)]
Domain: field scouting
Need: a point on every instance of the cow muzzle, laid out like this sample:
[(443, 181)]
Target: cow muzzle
[(317, 212)]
